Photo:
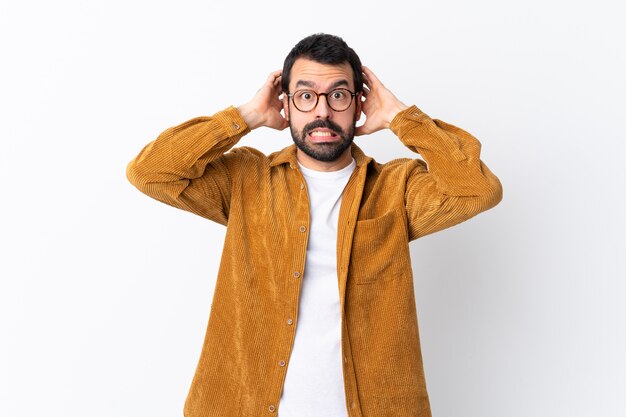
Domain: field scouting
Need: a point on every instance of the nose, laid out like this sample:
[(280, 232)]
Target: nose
[(322, 110)]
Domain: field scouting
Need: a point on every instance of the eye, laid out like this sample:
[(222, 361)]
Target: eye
[(307, 96), (338, 95)]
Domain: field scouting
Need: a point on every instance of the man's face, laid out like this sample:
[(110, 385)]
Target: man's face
[(323, 134)]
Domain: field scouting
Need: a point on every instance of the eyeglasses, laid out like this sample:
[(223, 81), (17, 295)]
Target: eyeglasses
[(338, 99)]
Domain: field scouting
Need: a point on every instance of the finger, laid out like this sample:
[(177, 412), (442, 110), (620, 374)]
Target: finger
[(273, 76), (361, 130), (370, 75)]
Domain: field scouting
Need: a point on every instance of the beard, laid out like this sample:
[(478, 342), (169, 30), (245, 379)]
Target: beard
[(324, 151)]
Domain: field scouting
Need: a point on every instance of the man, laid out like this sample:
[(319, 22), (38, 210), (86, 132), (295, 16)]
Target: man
[(314, 310)]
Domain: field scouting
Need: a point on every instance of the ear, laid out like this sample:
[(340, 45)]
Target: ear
[(359, 106), (286, 106)]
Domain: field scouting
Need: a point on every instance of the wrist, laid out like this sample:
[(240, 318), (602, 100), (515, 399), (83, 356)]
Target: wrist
[(398, 108), (250, 116)]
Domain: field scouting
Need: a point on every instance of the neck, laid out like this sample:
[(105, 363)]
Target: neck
[(308, 162)]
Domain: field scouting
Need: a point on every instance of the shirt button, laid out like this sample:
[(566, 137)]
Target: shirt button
[(235, 126), (289, 322), (303, 229), (272, 408), (281, 363), (296, 274), (302, 186)]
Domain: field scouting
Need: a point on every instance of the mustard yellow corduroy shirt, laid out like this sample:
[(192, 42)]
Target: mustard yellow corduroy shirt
[(263, 201)]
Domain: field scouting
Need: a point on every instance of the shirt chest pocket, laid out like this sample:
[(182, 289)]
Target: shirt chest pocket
[(380, 250)]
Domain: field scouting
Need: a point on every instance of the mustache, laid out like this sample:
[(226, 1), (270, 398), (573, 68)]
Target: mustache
[(328, 124)]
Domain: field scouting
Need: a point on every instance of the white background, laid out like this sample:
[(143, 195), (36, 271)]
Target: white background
[(105, 293)]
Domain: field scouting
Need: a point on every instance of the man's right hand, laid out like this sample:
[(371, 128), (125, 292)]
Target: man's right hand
[(264, 108)]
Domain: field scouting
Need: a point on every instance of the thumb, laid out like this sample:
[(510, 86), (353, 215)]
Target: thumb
[(361, 130)]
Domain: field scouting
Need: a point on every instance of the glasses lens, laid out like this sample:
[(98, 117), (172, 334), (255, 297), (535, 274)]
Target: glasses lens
[(339, 99), (305, 100)]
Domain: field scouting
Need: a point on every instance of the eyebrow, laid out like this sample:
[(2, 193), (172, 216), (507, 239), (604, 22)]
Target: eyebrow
[(305, 83)]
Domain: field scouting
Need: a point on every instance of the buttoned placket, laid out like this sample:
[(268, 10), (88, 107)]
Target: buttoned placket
[(299, 242), (347, 221)]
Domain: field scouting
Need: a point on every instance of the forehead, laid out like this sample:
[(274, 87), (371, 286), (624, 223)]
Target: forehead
[(316, 75)]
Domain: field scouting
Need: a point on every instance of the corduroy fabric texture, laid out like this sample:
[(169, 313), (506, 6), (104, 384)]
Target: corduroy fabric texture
[(263, 201)]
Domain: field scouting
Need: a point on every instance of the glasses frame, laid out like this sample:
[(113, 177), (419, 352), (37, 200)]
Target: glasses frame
[(317, 98)]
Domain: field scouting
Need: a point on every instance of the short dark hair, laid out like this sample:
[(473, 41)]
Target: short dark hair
[(325, 49)]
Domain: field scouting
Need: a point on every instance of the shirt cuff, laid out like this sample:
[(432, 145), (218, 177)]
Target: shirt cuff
[(411, 113), (231, 121)]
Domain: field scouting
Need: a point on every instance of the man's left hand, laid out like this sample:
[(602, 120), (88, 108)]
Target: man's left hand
[(380, 105)]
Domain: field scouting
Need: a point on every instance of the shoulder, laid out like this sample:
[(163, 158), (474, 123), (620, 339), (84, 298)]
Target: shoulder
[(394, 168), (248, 153), (246, 160), (401, 167)]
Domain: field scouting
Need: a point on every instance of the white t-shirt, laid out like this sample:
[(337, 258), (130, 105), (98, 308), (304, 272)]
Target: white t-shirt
[(314, 384)]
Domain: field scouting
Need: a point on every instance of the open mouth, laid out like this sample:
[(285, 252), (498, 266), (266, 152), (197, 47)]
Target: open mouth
[(323, 135)]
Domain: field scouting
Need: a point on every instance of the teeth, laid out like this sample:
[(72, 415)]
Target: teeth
[(321, 134)]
